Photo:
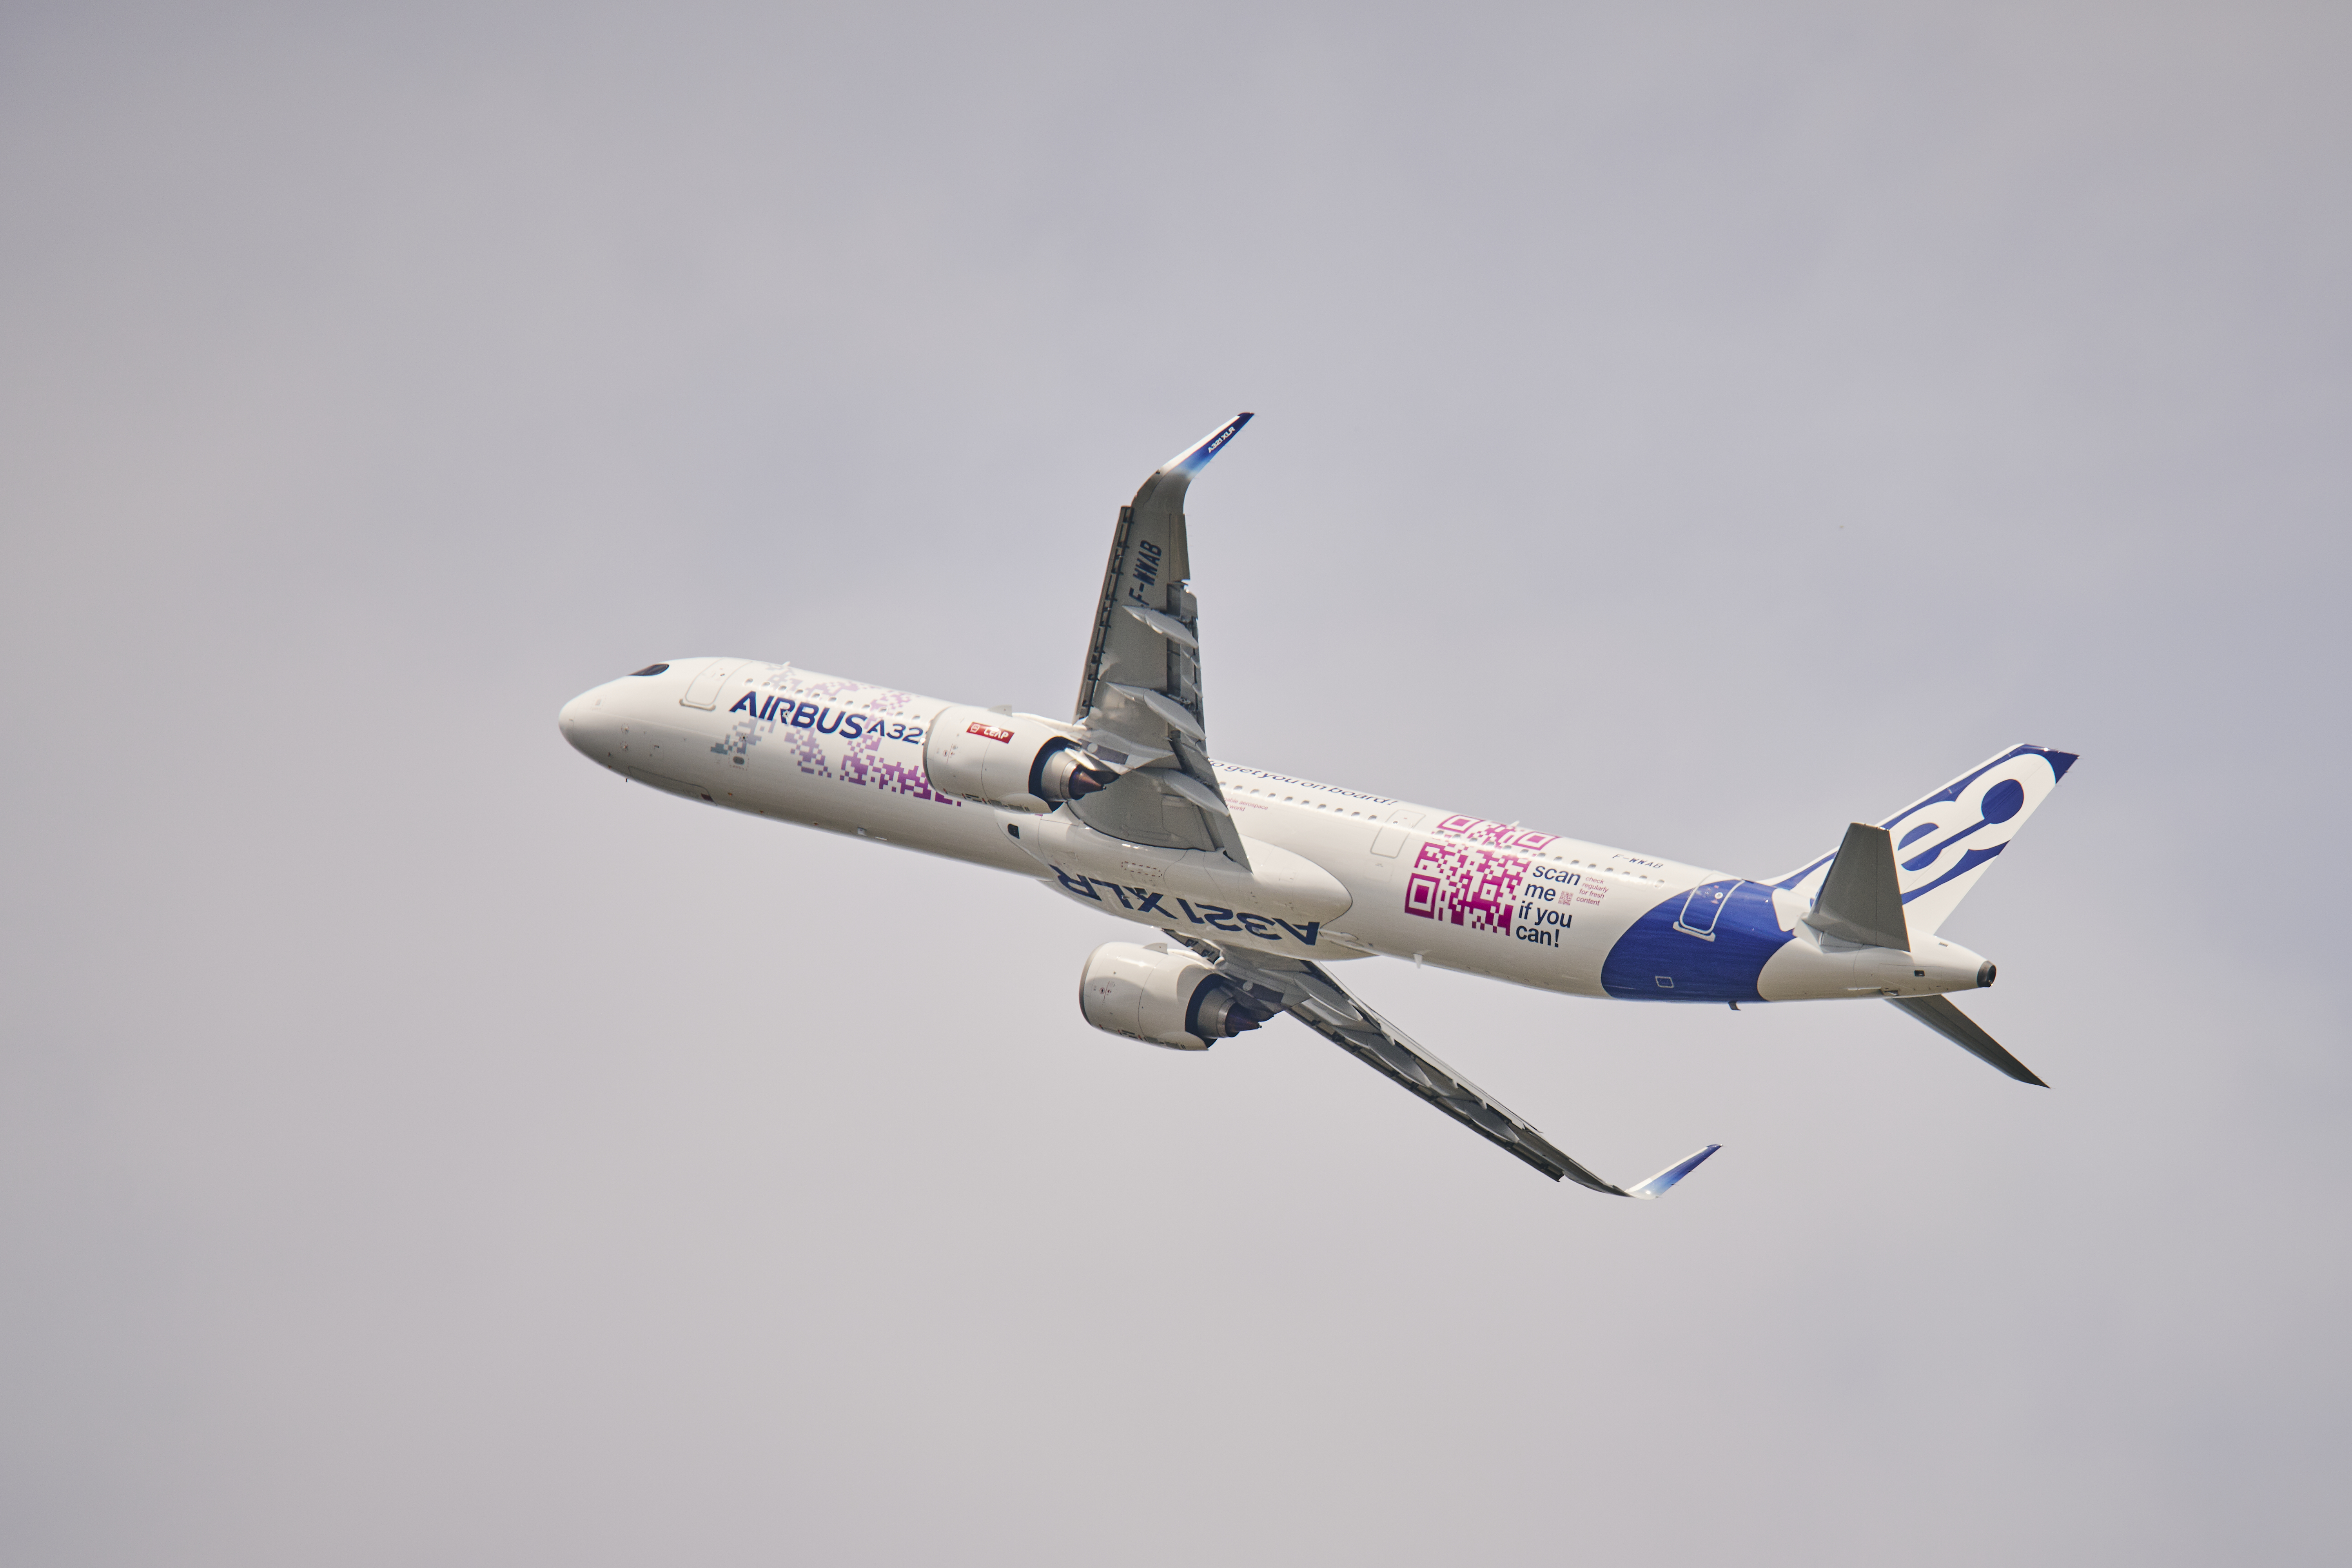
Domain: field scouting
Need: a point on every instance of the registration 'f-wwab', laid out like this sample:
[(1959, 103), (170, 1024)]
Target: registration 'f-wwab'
[(1260, 884)]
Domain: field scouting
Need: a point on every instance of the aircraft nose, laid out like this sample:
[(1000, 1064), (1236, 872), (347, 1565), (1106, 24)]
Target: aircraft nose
[(581, 723)]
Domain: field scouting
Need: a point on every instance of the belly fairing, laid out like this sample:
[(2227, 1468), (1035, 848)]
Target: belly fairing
[(1708, 944)]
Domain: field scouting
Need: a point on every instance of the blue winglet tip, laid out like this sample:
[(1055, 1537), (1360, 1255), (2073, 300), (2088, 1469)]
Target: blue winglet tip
[(1195, 458), (1657, 1186)]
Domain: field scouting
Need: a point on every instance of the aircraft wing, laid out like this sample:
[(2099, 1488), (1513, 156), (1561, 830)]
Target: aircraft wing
[(1309, 993), (1139, 698)]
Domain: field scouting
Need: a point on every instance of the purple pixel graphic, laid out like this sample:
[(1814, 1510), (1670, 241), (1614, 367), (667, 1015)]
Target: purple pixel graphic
[(802, 713)]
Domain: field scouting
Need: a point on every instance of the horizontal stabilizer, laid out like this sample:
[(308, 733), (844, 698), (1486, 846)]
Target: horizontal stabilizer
[(1861, 898), (1938, 1014)]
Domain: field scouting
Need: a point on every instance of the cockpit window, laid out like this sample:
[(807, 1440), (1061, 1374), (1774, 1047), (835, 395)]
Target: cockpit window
[(650, 669)]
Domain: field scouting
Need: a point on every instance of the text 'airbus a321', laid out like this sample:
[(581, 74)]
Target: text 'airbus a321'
[(1259, 881)]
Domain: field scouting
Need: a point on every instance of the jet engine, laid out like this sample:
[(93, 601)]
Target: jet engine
[(1167, 999), (1015, 760)]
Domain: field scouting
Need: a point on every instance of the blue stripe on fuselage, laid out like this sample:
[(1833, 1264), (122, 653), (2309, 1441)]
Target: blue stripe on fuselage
[(1653, 962)]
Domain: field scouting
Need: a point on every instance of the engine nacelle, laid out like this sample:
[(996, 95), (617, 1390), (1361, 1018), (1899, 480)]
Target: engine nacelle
[(1167, 999), (1015, 760)]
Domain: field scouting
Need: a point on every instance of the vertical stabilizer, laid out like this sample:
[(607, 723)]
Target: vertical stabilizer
[(1943, 843)]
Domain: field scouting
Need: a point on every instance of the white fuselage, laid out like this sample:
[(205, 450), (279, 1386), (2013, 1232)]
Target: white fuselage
[(1335, 873)]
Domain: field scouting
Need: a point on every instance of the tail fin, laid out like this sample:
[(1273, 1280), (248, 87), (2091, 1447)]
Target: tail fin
[(1943, 843)]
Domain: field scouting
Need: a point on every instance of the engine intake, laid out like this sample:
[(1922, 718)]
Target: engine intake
[(1014, 759), (1166, 998)]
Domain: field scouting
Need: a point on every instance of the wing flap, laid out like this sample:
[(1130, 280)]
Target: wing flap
[(1167, 626), (1184, 787), (1156, 705)]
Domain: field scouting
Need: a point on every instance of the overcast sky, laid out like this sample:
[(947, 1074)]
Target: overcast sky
[(1689, 427)]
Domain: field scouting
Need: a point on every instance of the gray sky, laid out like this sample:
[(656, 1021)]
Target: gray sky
[(1689, 427)]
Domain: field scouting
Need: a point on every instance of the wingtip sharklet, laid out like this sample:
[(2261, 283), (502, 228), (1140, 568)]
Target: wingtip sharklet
[(1195, 458), (1657, 1186)]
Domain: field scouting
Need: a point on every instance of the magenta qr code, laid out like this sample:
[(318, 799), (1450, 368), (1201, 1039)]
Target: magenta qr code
[(1470, 874)]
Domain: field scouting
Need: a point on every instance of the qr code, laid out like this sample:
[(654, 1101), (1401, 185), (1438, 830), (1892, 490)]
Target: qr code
[(1470, 874)]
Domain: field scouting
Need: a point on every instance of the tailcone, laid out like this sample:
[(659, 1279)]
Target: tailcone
[(1815, 967)]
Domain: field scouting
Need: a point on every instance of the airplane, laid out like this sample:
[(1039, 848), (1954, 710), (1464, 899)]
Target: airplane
[(1258, 883)]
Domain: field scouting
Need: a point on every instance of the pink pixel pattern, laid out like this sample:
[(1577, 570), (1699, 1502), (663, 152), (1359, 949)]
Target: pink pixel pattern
[(863, 761), (1470, 873)]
